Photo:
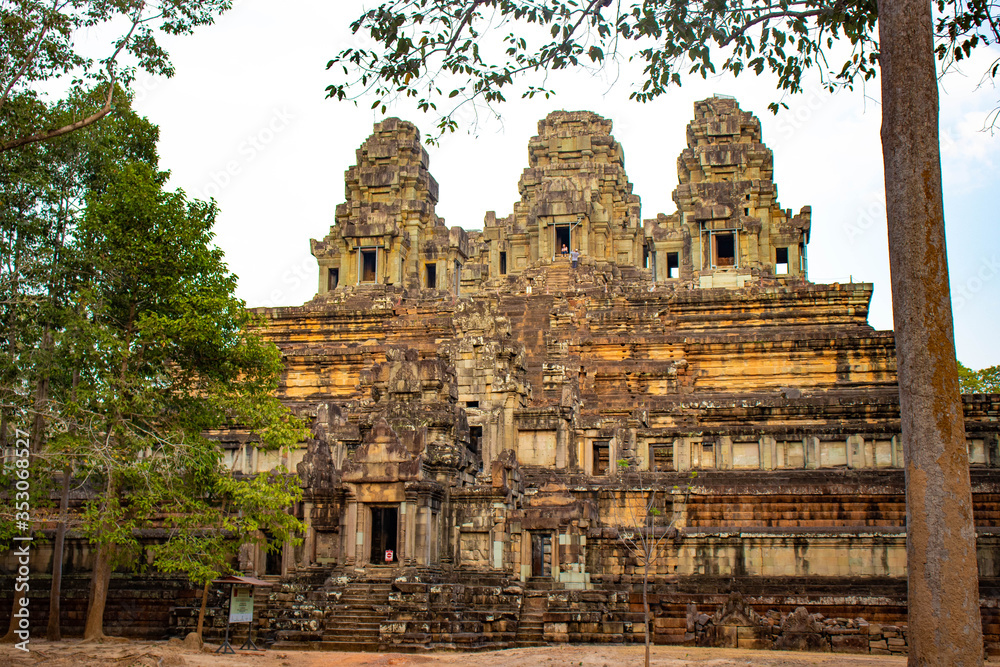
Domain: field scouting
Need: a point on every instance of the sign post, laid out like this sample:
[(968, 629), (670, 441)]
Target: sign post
[(240, 609)]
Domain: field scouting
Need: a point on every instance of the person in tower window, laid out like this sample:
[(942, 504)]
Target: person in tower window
[(565, 250)]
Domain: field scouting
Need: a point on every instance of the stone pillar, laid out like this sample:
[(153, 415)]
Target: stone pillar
[(309, 543), (354, 531), (810, 452), (724, 455), (407, 510), (562, 435), (897, 452), (767, 445), (682, 454), (856, 452), (498, 535), (421, 537)]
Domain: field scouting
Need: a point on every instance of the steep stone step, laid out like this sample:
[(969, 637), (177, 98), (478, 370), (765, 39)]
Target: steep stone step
[(356, 620)]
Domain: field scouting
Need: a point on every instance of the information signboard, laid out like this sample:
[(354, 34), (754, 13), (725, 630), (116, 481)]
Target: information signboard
[(241, 605)]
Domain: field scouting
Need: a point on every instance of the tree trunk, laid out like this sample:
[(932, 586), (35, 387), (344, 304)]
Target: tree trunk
[(645, 603), (94, 628), (15, 608), (201, 612), (53, 632), (37, 435), (945, 627)]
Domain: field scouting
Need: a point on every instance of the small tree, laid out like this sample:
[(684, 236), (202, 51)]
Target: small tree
[(217, 515), (645, 521)]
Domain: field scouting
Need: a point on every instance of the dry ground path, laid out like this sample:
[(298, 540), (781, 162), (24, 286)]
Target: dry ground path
[(122, 653)]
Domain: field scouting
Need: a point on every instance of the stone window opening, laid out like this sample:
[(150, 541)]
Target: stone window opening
[(385, 521), (332, 279), (503, 263), (602, 457), (781, 261), (724, 250), (430, 270), (661, 457), (673, 265), (369, 263)]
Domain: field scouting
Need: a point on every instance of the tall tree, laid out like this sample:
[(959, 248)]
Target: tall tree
[(422, 46), (43, 189), (171, 356)]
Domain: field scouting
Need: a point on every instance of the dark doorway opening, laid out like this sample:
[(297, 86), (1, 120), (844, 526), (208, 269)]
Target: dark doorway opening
[(562, 238), (384, 520), (541, 555), (333, 279), (272, 556), (503, 263), (432, 275), (368, 263)]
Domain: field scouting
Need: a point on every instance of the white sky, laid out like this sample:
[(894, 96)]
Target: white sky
[(245, 120)]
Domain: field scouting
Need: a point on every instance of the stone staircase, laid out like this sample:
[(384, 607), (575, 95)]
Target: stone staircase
[(531, 625), (559, 277), (354, 623)]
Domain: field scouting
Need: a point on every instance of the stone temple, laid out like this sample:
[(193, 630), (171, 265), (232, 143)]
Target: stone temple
[(491, 424)]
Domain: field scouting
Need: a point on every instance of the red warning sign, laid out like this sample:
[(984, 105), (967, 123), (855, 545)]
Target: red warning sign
[(388, 555)]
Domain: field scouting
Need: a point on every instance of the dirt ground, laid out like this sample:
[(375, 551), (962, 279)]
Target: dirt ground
[(123, 653)]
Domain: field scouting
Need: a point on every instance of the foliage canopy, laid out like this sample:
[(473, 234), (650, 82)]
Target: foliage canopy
[(42, 41), (442, 52), (983, 381)]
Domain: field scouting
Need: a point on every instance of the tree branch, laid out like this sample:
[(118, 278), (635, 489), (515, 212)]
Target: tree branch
[(93, 118), (65, 129), (458, 30), (739, 32)]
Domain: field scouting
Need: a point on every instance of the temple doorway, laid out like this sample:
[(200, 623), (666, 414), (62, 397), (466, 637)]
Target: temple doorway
[(541, 554), (562, 238), (272, 555), (384, 525)]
